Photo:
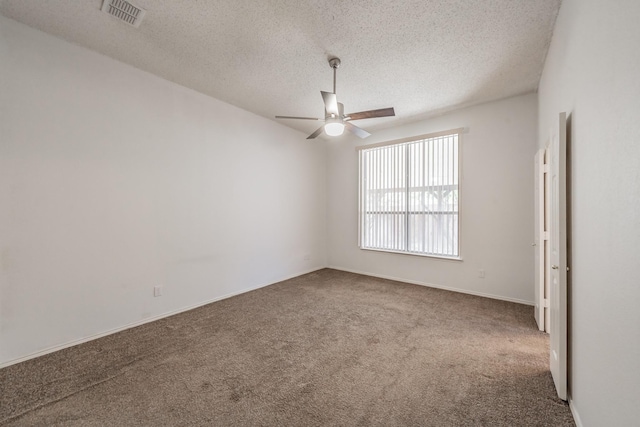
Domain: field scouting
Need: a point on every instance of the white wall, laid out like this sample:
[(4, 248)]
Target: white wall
[(497, 203), (113, 181), (592, 72)]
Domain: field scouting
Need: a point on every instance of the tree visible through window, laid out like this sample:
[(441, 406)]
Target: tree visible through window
[(409, 196)]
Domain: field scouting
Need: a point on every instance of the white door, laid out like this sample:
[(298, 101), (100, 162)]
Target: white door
[(538, 239), (546, 250), (559, 267)]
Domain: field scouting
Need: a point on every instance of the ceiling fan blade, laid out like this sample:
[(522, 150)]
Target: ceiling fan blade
[(330, 103), (383, 112), (295, 117), (356, 130), (316, 133)]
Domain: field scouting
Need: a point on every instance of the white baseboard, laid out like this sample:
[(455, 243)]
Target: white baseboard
[(574, 412), (143, 321), (200, 304), (431, 285)]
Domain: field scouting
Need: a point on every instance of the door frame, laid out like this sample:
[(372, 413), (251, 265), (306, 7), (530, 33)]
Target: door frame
[(541, 236)]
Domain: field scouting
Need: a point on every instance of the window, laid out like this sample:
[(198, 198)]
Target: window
[(409, 195)]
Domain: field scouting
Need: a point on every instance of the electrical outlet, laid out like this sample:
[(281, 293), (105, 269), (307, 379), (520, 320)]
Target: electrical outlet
[(157, 291), (481, 273)]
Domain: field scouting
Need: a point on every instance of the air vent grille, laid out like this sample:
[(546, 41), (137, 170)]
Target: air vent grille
[(124, 11)]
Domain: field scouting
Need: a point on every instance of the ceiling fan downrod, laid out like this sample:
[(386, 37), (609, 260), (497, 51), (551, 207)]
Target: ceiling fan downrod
[(334, 63)]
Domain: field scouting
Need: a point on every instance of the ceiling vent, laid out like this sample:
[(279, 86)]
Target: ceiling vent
[(124, 11)]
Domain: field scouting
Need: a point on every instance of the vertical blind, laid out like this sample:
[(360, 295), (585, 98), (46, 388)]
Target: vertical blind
[(409, 196)]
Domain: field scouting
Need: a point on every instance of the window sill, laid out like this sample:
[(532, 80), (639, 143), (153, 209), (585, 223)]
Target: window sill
[(442, 257)]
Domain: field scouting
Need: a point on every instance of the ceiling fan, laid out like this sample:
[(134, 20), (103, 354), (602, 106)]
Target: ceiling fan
[(335, 121)]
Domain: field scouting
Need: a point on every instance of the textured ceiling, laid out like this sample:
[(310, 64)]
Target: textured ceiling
[(270, 56)]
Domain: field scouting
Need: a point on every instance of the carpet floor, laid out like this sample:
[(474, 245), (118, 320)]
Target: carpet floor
[(328, 348)]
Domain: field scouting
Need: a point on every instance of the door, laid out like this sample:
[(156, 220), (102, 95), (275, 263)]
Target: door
[(538, 239), (546, 249), (559, 267)]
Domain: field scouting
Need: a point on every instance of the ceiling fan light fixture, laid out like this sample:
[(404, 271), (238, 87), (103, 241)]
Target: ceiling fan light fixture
[(334, 128)]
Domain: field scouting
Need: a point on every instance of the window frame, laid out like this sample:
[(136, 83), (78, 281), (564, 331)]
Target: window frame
[(459, 132)]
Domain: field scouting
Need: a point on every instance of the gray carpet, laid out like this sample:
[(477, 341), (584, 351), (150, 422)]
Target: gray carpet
[(325, 349)]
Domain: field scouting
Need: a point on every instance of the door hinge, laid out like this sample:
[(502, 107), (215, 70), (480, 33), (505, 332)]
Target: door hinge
[(546, 168), (545, 235)]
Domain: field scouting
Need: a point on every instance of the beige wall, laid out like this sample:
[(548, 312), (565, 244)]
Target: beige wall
[(496, 217), (113, 181), (592, 72)]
